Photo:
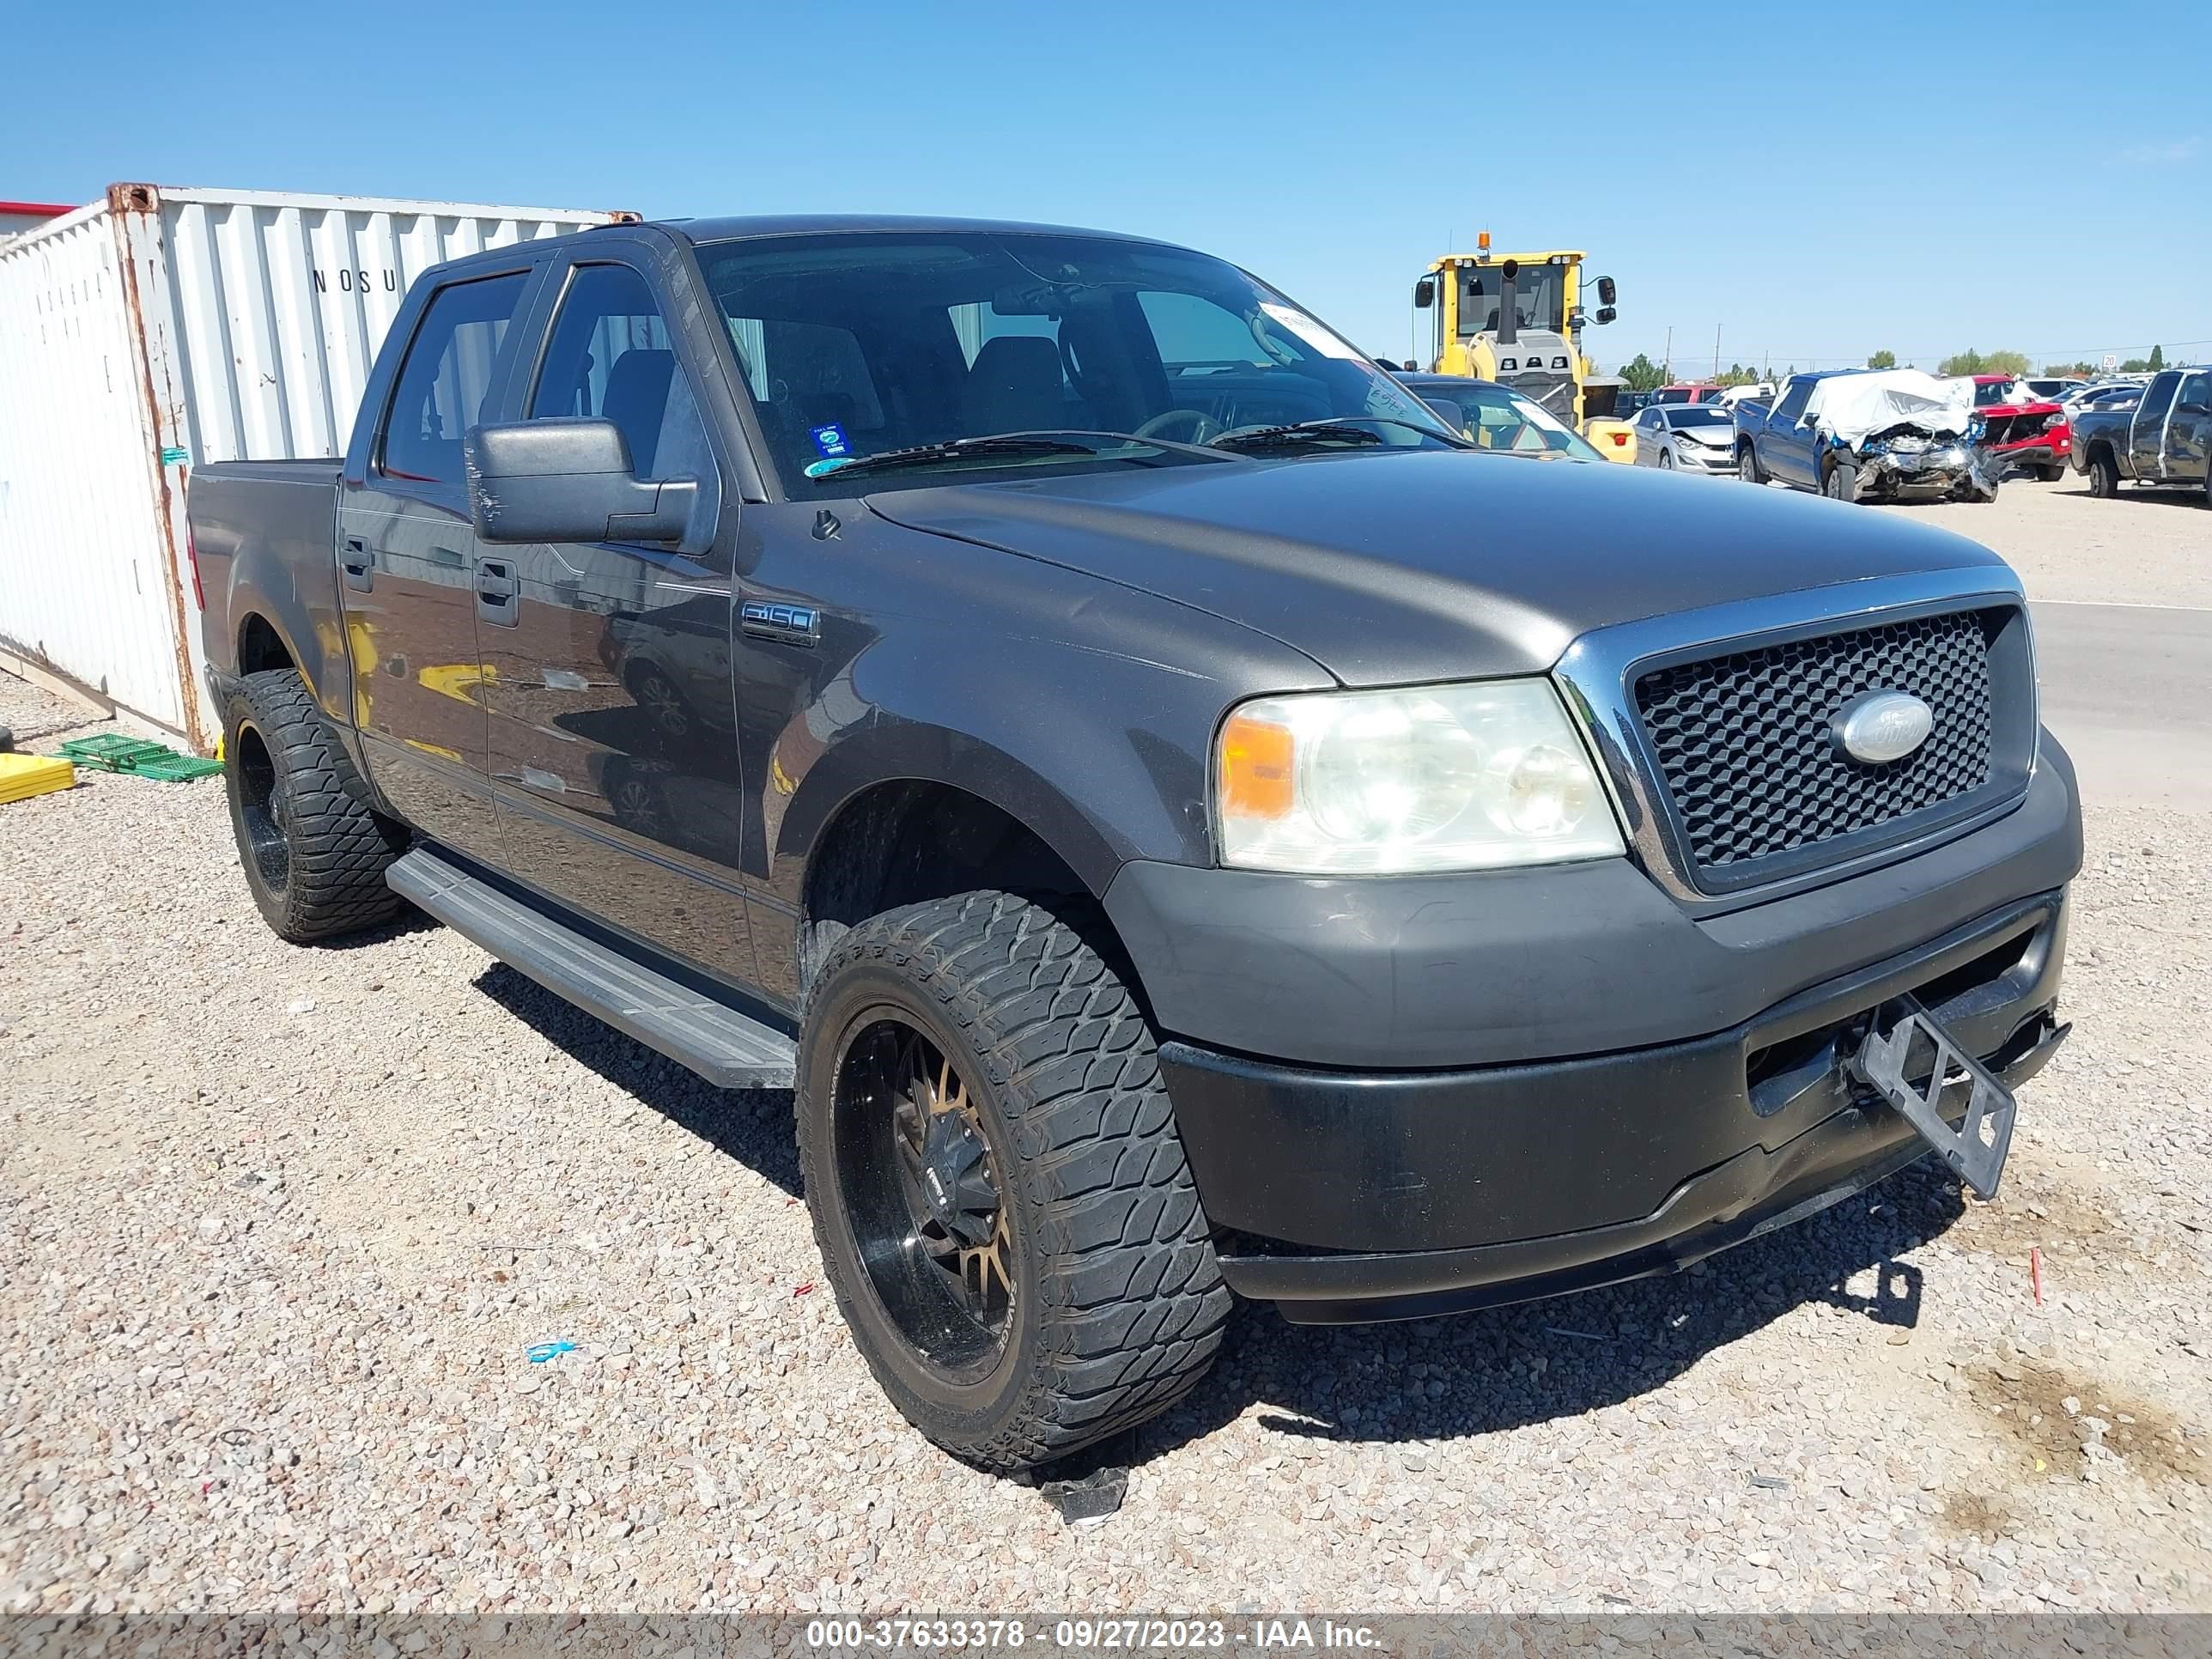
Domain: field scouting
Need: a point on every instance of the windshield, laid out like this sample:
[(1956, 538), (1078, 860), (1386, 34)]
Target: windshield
[(1700, 415), (857, 345), (1987, 392), (1539, 298), (1496, 418)]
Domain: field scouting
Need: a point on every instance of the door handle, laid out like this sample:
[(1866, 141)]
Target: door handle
[(359, 565), (495, 593)]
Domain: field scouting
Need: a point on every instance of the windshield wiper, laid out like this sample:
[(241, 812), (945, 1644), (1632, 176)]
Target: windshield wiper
[(1352, 429), (1012, 446)]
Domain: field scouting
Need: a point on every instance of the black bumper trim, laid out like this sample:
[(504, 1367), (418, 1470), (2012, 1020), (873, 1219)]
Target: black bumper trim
[(1755, 1192)]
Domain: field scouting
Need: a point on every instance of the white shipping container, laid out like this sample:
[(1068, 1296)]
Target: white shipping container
[(160, 329)]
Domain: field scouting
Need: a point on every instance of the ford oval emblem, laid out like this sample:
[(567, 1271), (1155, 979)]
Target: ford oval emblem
[(1880, 726)]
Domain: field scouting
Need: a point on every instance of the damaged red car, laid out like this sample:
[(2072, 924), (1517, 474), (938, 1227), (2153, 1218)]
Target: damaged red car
[(2022, 431)]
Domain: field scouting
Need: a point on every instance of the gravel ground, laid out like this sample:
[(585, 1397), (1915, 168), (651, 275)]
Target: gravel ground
[(279, 1225), (2148, 547)]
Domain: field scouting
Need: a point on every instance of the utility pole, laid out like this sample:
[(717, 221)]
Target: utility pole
[(1667, 368), (1717, 351)]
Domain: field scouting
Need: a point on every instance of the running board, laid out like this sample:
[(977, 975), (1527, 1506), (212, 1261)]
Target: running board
[(720, 1044)]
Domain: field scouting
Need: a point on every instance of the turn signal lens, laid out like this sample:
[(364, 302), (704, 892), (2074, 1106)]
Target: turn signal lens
[(1256, 768)]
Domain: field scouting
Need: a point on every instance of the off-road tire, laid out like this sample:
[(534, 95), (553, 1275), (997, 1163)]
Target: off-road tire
[(335, 847), (1118, 1304), (2104, 476), (1746, 465)]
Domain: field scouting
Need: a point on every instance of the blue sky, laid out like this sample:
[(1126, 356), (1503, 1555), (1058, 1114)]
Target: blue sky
[(1818, 181)]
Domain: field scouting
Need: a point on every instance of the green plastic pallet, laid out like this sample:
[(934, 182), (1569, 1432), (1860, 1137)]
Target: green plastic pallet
[(113, 752)]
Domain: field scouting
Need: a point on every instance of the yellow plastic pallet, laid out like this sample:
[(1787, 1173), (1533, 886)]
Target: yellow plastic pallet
[(22, 776)]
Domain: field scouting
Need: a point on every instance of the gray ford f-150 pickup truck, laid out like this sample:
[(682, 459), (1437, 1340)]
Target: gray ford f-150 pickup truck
[(1182, 823)]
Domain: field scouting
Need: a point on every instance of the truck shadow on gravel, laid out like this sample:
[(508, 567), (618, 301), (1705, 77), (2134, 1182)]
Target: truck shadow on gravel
[(754, 1126), (1470, 1375)]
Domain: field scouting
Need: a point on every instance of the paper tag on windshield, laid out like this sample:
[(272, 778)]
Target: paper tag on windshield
[(1308, 331), (1539, 415)]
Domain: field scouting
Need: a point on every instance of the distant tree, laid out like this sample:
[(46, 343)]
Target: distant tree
[(2073, 371), (2138, 366), (1971, 362), (1737, 374), (1641, 374), (2157, 359), (1883, 359)]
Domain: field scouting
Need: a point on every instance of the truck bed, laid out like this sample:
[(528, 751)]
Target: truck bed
[(272, 524)]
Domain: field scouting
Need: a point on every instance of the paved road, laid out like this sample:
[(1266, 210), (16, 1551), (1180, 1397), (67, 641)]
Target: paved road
[(2128, 688)]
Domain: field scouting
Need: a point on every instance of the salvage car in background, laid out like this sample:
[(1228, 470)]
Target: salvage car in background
[(1685, 438), (2020, 428), (1889, 435), (2163, 438)]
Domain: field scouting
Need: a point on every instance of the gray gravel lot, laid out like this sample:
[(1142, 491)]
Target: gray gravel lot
[(276, 1227)]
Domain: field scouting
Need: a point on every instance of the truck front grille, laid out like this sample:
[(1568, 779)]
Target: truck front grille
[(1743, 741)]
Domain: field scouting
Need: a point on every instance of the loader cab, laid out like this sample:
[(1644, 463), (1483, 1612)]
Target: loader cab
[(1517, 319)]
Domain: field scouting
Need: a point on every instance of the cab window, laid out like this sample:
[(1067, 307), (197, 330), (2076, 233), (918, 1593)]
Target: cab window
[(451, 366), (610, 358)]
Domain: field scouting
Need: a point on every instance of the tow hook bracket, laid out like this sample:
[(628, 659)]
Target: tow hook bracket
[(1975, 1149)]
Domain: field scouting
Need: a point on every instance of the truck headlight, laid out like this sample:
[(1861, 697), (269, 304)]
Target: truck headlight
[(1437, 777)]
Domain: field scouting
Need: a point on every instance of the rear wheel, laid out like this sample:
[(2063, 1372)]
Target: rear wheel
[(314, 851), (1747, 464), (2104, 475), (998, 1190)]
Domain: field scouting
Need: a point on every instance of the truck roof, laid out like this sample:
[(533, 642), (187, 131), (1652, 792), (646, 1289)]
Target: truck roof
[(733, 228)]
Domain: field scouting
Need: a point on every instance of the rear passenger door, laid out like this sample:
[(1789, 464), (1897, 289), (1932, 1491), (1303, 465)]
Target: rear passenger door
[(2189, 432), (410, 565), (1787, 451), (2146, 433), (612, 728)]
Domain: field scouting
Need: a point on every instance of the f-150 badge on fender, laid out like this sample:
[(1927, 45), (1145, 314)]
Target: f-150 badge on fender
[(1879, 726)]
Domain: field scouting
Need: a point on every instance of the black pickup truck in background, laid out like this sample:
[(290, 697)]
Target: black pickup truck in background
[(2163, 438), (1182, 820)]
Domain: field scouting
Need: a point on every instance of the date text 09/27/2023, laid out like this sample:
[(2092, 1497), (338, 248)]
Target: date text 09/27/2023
[(1126, 1634)]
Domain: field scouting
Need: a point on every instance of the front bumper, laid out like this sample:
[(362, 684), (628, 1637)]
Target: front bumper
[(1347, 1196), (1480, 1088)]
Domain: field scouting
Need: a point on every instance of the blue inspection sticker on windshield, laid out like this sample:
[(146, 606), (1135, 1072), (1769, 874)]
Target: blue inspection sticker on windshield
[(830, 441)]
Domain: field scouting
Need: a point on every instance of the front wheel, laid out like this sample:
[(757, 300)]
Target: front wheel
[(1840, 483), (2054, 474), (998, 1190), (1666, 462), (2104, 475)]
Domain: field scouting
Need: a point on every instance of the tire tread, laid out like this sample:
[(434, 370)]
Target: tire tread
[(1132, 1305)]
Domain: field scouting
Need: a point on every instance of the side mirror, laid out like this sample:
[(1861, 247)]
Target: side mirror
[(1607, 291), (1607, 313), (570, 480), (1424, 293)]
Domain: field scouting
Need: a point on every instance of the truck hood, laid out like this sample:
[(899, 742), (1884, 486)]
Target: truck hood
[(1432, 565)]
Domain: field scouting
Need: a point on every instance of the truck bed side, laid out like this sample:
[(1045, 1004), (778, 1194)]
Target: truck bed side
[(263, 536)]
